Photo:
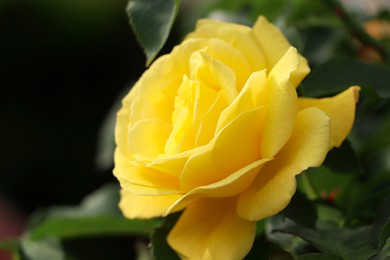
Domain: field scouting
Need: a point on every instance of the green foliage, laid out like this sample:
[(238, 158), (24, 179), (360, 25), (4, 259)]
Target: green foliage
[(152, 21), (345, 243), (69, 227), (160, 248), (264, 249), (343, 159), (45, 249), (317, 256), (336, 75), (97, 215), (384, 234), (301, 210)]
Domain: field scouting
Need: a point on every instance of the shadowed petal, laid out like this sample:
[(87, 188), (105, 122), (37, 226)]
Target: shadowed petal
[(211, 229), (137, 206)]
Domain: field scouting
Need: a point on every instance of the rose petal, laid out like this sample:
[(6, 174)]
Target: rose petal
[(214, 74), (275, 184), (147, 138), (274, 45), (340, 109), (137, 206), (208, 123), (246, 100), (154, 90), (219, 235), (141, 175), (230, 186), (238, 36), (122, 130), (171, 165), (182, 135), (282, 105), (158, 85), (236, 61), (237, 145)]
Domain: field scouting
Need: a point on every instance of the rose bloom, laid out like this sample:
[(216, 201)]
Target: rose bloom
[(215, 128)]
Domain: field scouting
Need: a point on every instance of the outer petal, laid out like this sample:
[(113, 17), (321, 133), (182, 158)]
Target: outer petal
[(282, 105), (142, 176), (274, 44), (238, 36), (228, 187), (171, 165), (144, 102), (147, 138), (137, 206), (158, 86), (123, 121), (275, 184), (340, 109), (219, 235)]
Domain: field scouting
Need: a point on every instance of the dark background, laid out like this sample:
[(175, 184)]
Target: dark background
[(62, 65)]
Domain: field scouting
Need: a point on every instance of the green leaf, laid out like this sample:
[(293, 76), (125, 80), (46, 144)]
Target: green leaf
[(160, 248), (263, 249), (384, 235), (379, 231), (317, 256), (345, 243), (281, 256), (366, 205), (384, 253), (48, 248), (301, 210), (103, 201), (152, 21), (325, 183), (76, 227), (343, 159), (98, 214), (330, 215), (288, 242), (336, 75), (260, 228)]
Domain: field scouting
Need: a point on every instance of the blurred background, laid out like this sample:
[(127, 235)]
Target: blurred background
[(63, 67)]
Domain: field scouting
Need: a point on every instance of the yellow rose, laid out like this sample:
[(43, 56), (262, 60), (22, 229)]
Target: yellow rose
[(215, 128)]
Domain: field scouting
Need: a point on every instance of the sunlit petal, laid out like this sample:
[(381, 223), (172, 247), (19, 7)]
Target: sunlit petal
[(274, 45), (237, 145), (275, 184), (282, 106), (340, 109)]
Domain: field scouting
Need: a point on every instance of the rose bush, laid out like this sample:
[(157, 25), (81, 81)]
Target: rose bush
[(215, 128)]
